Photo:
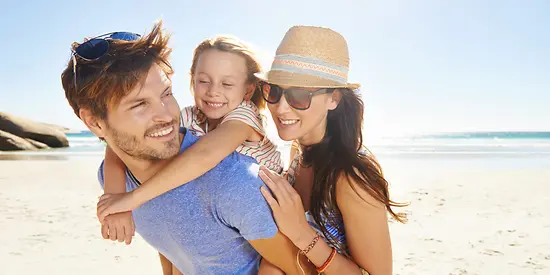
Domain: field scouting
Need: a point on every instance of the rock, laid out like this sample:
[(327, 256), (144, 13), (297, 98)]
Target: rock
[(51, 136), (37, 144), (57, 127), (11, 142)]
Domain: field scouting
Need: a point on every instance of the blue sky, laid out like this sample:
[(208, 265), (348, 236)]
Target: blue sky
[(425, 66)]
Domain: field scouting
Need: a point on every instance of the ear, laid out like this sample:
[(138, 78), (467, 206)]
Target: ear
[(94, 124), (334, 99), (250, 88)]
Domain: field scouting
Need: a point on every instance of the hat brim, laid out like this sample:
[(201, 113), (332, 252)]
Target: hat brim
[(301, 80)]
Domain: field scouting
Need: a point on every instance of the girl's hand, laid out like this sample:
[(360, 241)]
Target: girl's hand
[(287, 207), (115, 203), (119, 227)]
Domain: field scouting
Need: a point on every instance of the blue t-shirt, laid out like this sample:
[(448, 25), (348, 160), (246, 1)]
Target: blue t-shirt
[(202, 227)]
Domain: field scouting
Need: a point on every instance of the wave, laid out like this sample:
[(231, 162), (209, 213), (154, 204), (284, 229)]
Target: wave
[(53, 153), (85, 141), (456, 143), (496, 134), (514, 153)]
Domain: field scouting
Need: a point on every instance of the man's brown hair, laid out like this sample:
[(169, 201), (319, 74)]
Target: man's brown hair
[(102, 83)]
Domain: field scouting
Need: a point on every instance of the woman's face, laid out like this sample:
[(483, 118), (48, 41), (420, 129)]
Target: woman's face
[(307, 126)]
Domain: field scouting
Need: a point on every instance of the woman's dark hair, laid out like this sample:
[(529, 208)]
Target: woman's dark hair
[(341, 154)]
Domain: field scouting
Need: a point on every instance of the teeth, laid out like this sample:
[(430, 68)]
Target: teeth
[(215, 105), (162, 132), (288, 121)]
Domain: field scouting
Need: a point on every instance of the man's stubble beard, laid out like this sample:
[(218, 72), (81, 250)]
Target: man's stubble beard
[(135, 147)]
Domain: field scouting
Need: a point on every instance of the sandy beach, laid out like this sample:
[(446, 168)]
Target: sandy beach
[(49, 226), (472, 220), (463, 219)]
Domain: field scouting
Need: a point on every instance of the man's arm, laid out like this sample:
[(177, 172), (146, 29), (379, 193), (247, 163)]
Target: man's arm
[(240, 205), (281, 252)]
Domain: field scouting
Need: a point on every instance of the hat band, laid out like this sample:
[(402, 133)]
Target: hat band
[(310, 66)]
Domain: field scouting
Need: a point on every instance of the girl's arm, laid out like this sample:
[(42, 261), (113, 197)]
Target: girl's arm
[(167, 267), (199, 158), (120, 226), (237, 127), (114, 173)]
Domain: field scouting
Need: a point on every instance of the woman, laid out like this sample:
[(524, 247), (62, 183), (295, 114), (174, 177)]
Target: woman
[(337, 183)]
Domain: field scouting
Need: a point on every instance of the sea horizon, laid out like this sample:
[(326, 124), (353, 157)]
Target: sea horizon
[(442, 145)]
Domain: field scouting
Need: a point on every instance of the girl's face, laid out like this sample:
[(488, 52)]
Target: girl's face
[(307, 126), (220, 83)]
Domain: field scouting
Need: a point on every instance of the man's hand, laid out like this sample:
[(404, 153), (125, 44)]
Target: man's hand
[(119, 227)]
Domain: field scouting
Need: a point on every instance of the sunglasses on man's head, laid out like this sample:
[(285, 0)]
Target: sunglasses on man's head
[(297, 98), (97, 47)]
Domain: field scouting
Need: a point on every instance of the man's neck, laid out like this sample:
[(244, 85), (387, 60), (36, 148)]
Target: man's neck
[(143, 170)]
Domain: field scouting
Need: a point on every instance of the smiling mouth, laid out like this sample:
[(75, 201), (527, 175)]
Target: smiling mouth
[(288, 121), (162, 132), (214, 104)]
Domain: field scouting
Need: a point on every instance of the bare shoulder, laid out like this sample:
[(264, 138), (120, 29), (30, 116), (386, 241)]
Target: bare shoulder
[(352, 191)]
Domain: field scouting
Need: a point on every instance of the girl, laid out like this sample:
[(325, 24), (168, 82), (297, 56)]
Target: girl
[(226, 111), (338, 185)]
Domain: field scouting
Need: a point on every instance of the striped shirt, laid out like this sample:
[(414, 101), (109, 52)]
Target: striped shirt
[(264, 151)]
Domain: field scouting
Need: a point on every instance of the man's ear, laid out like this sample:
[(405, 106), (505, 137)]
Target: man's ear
[(334, 99), (250, 88), (95, 125)]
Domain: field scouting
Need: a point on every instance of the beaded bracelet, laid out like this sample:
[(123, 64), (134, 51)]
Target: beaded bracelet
[(327, 262)]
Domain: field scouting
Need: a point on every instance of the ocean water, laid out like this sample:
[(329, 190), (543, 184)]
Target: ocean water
[(468, 143), (500, 148)]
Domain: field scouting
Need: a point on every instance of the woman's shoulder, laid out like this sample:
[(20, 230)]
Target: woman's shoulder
[(353, 188)]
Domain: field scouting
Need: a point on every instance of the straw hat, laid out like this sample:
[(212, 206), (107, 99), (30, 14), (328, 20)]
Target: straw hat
[(311, 57)]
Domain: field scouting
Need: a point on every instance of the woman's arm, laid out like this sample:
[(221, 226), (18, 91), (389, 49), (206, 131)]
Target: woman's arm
[(366, 225), (367, 234), (267, 268), (288, 212)]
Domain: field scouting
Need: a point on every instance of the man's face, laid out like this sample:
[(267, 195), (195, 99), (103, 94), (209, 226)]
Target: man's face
[(145, 125)]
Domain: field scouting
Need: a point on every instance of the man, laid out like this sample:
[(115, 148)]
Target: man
[(120, 88)]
